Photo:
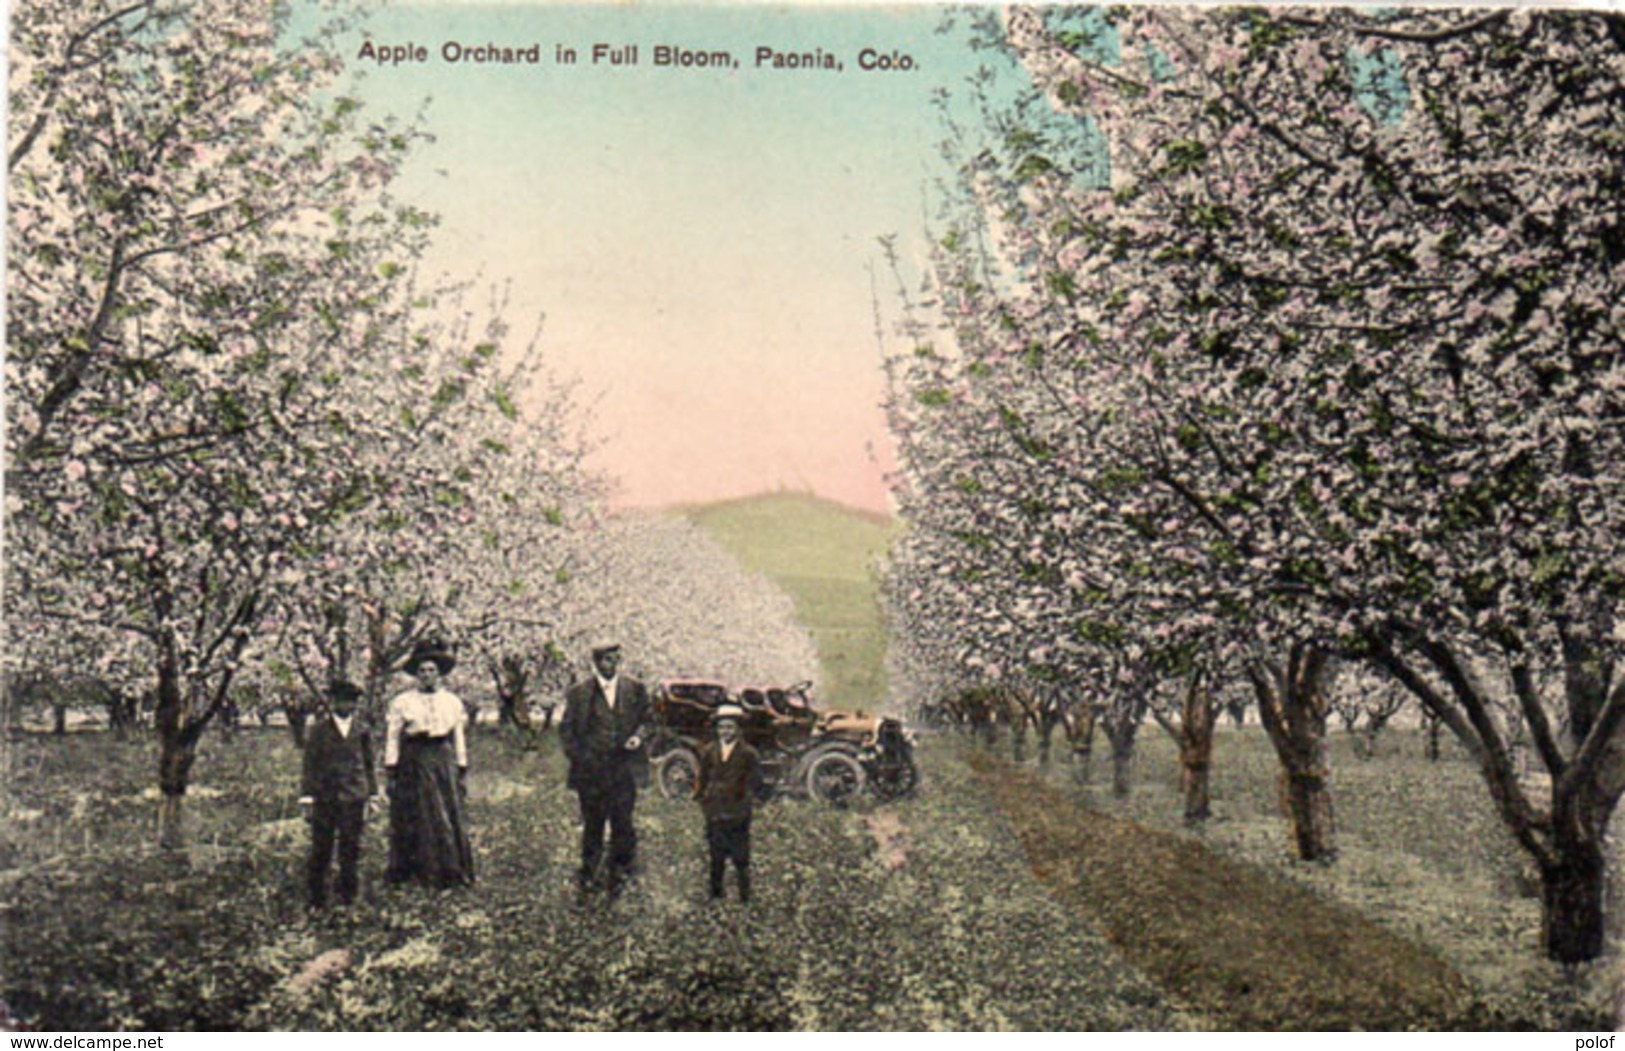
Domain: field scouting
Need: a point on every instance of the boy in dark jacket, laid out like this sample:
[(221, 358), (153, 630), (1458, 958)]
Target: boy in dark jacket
[(730, 772), (336, 789)]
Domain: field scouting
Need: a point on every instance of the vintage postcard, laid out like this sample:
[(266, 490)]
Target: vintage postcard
[(814, 516)]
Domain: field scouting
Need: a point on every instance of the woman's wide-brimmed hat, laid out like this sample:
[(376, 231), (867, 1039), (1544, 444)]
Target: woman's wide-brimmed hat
[(431, 650)]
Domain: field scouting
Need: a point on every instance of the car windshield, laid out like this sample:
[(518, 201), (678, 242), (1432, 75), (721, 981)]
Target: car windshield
[(786, 703), (704, 694)]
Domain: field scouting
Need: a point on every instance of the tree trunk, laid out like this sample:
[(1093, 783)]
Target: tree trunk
[(1046, 733), (1194, 780), (177, 751), (984, 728), (508, 675), (1122, 764), (509, 710), (1292, 706), (1431, 725), (1196, 752), (1572, 920), (1613, 845), (175, 759), (1082, 739), (1307, 799), (1566, 840), (1122, 720), (120, 714), (172, 823), (1360, 743), (1083, 763), (1368, 737)]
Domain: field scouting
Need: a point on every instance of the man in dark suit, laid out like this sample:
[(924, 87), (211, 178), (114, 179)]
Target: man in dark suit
[(336, 790), (602, 733)]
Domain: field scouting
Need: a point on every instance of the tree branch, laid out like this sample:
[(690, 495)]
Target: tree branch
[(69, 64), (1437, 36), (1601, 737), (71, 375), (1534, 714)]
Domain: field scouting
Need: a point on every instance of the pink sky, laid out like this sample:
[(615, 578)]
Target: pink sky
[(704, 245), (812, 436)]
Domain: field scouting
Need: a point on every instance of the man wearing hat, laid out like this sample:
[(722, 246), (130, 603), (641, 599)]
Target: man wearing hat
[(337, 784), (730, 774), (602, 735)]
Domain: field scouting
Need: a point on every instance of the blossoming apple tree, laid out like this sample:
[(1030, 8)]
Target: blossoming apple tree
[(468, 542), (208, 282), (1342, 332), (680, 605)]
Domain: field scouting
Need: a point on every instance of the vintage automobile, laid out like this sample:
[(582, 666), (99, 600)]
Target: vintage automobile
[(830, 756), (879, 743)]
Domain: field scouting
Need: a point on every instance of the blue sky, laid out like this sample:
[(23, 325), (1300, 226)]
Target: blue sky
[(703, 243)]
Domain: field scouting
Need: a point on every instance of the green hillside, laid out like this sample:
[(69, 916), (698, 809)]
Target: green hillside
[(823, 555)]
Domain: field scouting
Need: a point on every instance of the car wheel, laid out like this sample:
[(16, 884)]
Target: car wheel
[(834, 778), (896, 780), (677, 772)]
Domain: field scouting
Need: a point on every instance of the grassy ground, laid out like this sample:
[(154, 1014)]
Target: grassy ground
[(919, 915), (822, 555), (1421, 852), (1251, 950), (999, 897)]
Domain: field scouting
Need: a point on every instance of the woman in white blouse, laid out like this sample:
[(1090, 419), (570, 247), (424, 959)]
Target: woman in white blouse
[(426, 760)]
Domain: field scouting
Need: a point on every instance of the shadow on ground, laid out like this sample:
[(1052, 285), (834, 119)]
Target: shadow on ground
[(1235, 944)]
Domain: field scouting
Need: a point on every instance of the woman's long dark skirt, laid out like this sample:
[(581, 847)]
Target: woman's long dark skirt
[(428, 827)]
